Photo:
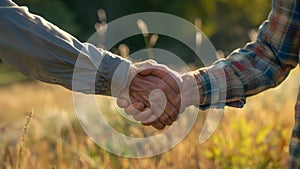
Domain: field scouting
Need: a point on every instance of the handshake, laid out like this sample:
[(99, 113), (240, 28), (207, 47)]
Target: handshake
[(155, 95)]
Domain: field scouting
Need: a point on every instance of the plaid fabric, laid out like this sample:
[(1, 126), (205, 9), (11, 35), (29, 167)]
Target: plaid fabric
[(258, 66)]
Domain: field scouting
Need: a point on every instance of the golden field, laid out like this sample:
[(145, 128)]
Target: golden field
[(256, 136)]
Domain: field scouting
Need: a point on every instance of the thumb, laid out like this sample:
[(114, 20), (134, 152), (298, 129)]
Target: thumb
[(122, 103), (123, 99)]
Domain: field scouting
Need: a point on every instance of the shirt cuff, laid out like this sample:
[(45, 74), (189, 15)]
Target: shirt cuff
[(97, 71), (112, 75), (214, 88)]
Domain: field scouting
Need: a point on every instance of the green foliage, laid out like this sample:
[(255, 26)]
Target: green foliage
[(253, 12), (8, 75), (256, 136), (248, 145), (54, 11)]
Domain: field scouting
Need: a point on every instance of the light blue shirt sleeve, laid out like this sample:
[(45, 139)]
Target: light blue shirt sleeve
[(41, 50)]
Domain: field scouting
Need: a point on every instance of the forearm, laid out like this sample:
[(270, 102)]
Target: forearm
[(42, 51)]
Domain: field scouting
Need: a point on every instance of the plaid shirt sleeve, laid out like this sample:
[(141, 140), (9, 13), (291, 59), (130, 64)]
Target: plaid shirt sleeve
[(258, 66)]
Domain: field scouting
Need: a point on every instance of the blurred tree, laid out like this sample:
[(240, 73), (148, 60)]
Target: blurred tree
[(226, 22), (54, 11), (234, 18)]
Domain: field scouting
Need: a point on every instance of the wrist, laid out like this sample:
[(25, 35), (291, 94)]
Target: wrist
[(190, 90), (200, 88)]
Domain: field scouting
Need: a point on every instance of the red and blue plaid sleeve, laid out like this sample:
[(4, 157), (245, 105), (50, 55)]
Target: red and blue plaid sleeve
[(258, 66)]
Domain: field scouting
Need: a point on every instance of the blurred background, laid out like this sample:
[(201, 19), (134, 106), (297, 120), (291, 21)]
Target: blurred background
[(229, 24), (253, 137)]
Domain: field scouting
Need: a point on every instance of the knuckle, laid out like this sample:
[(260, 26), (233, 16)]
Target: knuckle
[(174, 117), (158, 125), (164, 118), (173, 114)]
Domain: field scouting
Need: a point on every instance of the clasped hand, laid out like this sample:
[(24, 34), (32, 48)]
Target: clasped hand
[(156, 95)]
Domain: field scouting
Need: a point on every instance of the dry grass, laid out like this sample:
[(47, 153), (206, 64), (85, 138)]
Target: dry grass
[(253, 137)]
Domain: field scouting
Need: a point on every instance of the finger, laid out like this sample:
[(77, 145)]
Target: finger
[(156, 124), (143, 116), (150, 123), (157, 106), (135, 108), (171, 111), (142, 86), (160, 105), (124, 95), (158, 111), (165, 119), (172, 97), (152, 118), (140, 97), (122, 103), (171, 77), (158, 96)]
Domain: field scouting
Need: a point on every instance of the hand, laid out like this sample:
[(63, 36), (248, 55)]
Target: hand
[(149, 77), (190, 89)]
